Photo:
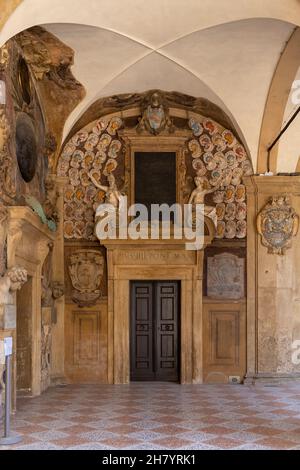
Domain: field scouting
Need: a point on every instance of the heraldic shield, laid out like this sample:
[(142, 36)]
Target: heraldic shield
[(277, 224)]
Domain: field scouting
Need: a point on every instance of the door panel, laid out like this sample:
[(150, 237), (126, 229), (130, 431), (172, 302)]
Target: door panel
[(167, 337), (154, 330), (224, 347), (141, 328), (86, 343)]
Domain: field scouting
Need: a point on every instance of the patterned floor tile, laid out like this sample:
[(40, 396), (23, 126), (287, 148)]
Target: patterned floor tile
[(160, 416), (218, 430), (172, 442), (264, 430), (121, 442), (276, 443), (224, 442)]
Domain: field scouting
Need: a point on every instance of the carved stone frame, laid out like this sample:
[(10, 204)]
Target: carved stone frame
[(129, 260), (148, 143)]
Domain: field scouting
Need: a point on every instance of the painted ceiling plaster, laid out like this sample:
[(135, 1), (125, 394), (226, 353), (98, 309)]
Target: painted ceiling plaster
[(210, 63), (226, 54)]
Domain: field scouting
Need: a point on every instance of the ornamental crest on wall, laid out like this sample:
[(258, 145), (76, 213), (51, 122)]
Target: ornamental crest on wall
[(277, 224), (86, 272), (155, 115)]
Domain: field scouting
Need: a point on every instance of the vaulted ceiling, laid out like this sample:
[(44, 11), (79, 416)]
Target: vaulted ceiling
[(225, 51)]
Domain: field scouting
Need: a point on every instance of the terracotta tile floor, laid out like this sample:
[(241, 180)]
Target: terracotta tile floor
[(160, 416)]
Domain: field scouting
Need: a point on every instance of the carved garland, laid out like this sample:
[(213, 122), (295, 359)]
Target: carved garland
[(215, 154)]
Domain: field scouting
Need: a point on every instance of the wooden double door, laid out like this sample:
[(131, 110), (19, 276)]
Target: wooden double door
[(154, 341)]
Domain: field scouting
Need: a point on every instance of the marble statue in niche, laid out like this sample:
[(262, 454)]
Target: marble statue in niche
[(277, 224), (225, 276), (86, 271), (197, 197)]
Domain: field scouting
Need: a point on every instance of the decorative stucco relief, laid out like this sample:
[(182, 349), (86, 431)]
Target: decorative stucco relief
[(277, 224), (155, 114), (4, 57), (87, 157), (225, 276), (7, 168), (215, 155), (46, 339), (86, 271)]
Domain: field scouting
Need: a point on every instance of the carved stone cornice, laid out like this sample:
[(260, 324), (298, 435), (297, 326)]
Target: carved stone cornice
[(266, 185), (25, 225)]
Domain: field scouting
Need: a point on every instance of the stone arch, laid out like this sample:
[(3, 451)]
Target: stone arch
[(208, 149), (278, 95)]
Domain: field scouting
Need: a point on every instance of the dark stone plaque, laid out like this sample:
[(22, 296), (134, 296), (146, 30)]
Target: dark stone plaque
[(26, 146)]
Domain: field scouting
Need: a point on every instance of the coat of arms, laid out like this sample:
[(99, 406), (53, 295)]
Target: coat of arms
[(155, 117), (277, 224), (86, 272)]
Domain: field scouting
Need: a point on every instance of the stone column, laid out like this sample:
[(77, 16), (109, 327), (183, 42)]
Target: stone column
[(273, 288), (58, 329)]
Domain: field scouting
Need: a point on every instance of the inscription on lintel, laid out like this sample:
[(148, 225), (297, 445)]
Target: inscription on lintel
[(155, 257)]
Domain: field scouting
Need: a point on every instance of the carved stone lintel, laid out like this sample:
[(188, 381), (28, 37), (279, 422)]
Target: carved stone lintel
[(277, 224), (86, 271)]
